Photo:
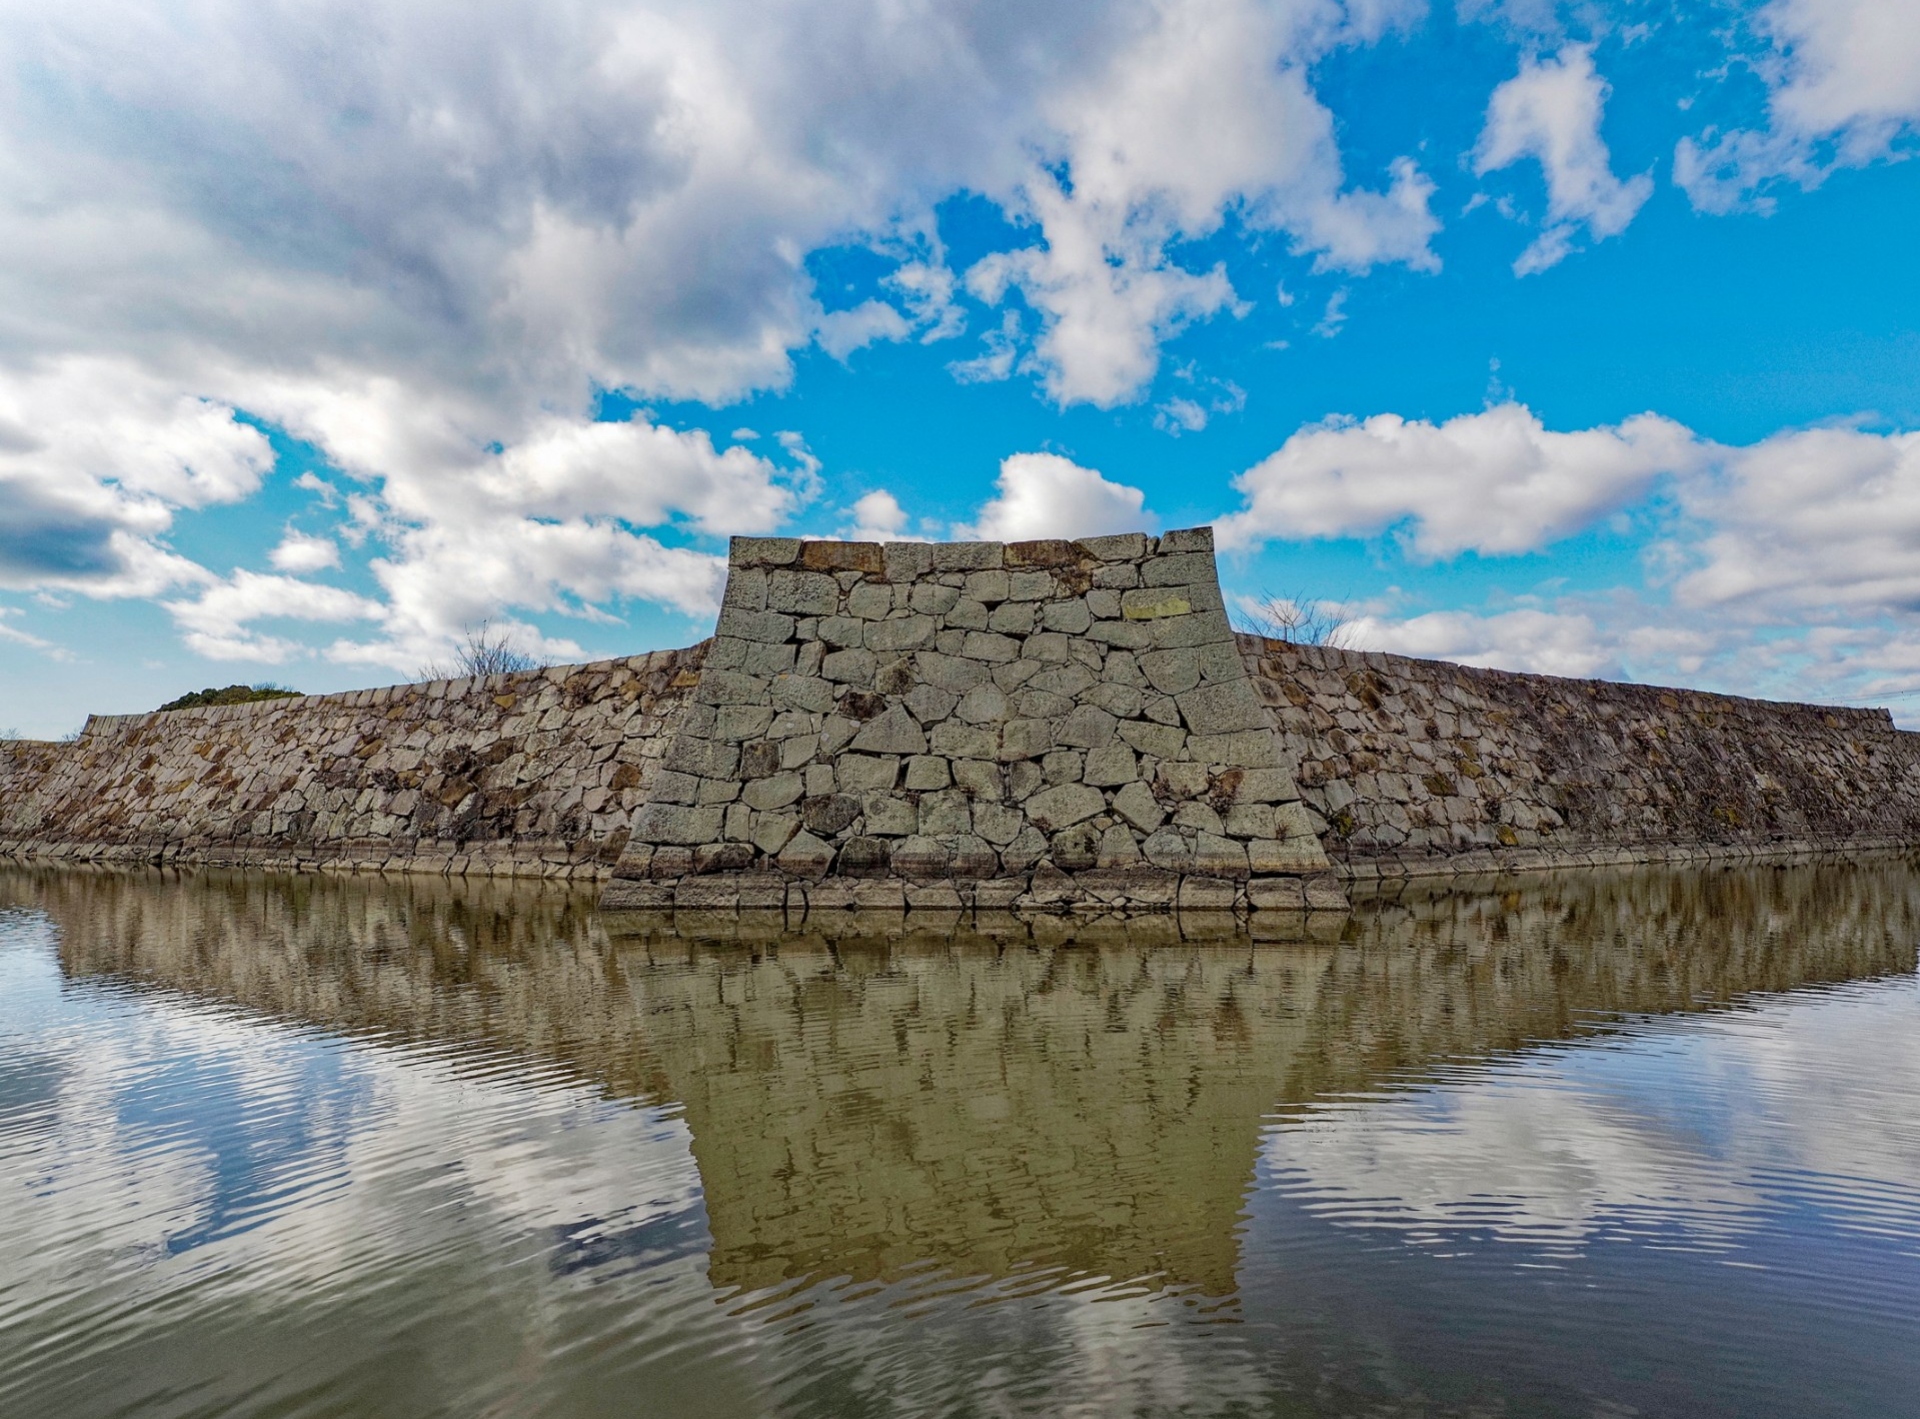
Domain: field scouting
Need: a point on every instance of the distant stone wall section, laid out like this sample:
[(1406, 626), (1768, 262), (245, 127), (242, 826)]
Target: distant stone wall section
[(975, 724), (537, 773), (1418, 767)]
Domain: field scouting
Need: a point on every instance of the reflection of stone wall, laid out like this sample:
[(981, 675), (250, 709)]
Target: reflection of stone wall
[(975, 724), (1419, 766), (536, 773), (984, 1104)]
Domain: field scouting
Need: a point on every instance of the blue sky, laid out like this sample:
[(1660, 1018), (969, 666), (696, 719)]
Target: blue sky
[(1582, 339)]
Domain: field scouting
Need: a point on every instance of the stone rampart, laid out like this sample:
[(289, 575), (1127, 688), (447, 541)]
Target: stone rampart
[(1421, 767), (1061, 726), (536, 773), (975, 724)]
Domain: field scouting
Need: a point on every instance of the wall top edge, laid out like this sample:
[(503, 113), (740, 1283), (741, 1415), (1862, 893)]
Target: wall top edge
[(918, 558), (1688, 696)]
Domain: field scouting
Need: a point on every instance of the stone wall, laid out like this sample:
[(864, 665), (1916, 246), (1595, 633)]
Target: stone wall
[(1064, 726), (975, 724), (1416, 767), (537, 773)]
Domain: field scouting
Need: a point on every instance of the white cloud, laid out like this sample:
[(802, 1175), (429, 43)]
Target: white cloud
[(1815, 520), (1844, 90), (96, 457), (878, 517), (1493, 482), (299, 553), (1045, 495), (1537, 642), (1550, 111), (217, 623)]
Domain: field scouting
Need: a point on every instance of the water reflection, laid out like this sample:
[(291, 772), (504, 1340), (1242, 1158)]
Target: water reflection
[(890, 1099), (326, 1145)]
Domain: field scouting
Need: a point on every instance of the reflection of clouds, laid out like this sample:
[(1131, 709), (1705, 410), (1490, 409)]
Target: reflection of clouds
[(1692, 1129)]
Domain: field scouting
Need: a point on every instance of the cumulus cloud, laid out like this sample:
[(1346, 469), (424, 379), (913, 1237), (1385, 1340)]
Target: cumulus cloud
[(299, 553), (96, 458), (1843, 91), (1536, 641), (1814, 520), (1206, 109), (1550, 112), (218, 622), (878, 517), (1045, 495), (1494, 482)]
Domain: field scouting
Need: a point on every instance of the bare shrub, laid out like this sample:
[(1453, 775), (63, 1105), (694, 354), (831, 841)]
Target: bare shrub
[(1300, 620), (484, 652)]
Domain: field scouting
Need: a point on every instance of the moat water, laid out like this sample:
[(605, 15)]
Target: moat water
[(1636, 1144)]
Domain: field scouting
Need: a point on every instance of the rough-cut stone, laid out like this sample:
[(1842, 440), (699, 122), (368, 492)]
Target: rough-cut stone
[(892, 732), (1064, 805)]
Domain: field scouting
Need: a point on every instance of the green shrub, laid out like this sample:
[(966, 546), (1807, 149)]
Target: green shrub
[(232, 695)]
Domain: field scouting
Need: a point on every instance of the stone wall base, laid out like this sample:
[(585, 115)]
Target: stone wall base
[(1372, 875), (1097, 893), (573, 861)]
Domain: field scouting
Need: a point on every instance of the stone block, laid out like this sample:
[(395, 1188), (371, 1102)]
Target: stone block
[(849, 667), (997, 823), (984, 704), (1122, 547), (973, 858), (741, 624), (1207, 894), (950, 672), (1013, 618), (1266, 786), (1197, 815), (746, 588), (820, 780), (1117, 848), (763, 551), (863, 557), (797, 752), (925, 773), (989, 648), (978, 777), (1171, 672), (771, 832), (1276, 894), (1252, 749), (806, 693), (931, 599), (1047, 647), (986, 587), (1295, 820), (738, 722), (1186, 539), (708, 758), (1023, 739), (1111, 766), (671, 786), (1068, 617), (1121, 701), (930, 704), (890, 815), (1136, 803), (1222, 709), (802, 593), (856, 772), (1183, 780), (870, 601), (769, 659), (778, 791), (843, 632), (1128, 635), (1153, 603), (730, 687), (1216, 856), (805, 856), (1326, 894), (1063, 766), (1088, 727), (864, 856), (1188, 632), (945, 814), (1027, 848), (1032, 703), (892, 732), (830, 814), (1064, 805), (1169, 850), (1077, 849), (920, 858), (678, 825), (955, 740), (909, 632), (905, 561), (967, 556), (966, 615), (1272, 856), (1031, 586), (1251, 820)]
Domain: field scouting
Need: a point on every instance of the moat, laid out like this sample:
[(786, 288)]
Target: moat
[(1608, 1143)]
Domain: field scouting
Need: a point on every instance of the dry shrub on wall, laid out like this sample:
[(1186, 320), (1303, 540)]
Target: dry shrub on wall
[(1300, 620), (485, 651)]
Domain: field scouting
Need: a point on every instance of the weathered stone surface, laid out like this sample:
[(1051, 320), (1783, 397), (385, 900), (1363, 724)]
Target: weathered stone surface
[(1063, 805), (892, 732)]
